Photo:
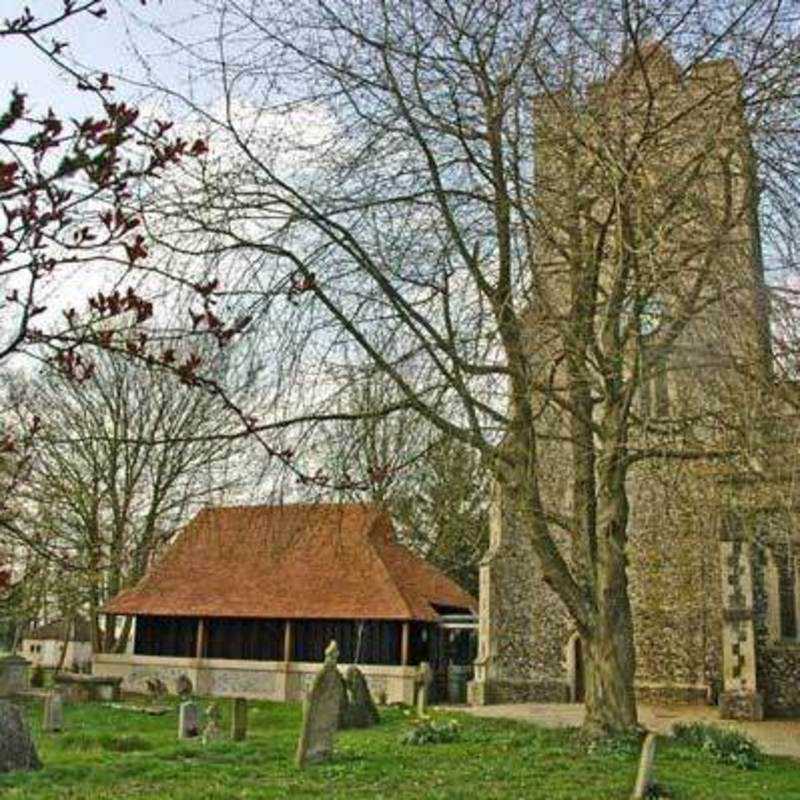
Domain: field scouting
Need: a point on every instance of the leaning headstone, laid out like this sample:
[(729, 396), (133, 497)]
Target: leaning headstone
[(17, 751), (361, 710), (14, 677), (423, 682), (644, 780), (188, 720), (184, 687), (321, 709), (239, 719), (212, 730), (53, 719)]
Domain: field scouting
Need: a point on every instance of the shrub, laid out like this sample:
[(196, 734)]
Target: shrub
[(621, 746), (723, 745), (430, 732), (37, 676)]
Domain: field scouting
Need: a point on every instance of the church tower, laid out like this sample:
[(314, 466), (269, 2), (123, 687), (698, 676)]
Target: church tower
[(676, 141)]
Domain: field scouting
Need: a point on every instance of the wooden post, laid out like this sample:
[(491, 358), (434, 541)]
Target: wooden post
[(201, 638), (404, 644), (287, 641)]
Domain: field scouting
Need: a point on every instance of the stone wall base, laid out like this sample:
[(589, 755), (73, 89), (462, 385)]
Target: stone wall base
[(496, 692), (741, 705), (672, 695), (258, 680)]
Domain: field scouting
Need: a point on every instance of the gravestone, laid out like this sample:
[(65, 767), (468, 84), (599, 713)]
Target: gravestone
[(212, 730), (361, 710), (17, 751), (14, 676), (422, 683), (239, 719), (344, 707), (644, 783), (53, 714), (184, 687), (156, 688), (322, 707), (188, 720)]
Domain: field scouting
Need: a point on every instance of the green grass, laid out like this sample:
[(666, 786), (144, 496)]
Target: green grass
[(112, 754)]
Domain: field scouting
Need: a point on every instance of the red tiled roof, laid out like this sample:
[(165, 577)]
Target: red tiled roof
[(292, 562)]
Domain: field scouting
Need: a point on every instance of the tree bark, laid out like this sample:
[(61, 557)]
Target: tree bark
[(609, 665), (610, 656)]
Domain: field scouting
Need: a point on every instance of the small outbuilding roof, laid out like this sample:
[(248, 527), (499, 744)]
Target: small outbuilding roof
[(292, 562), (80, 632)]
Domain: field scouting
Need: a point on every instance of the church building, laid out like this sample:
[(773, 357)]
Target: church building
[(713, 549)]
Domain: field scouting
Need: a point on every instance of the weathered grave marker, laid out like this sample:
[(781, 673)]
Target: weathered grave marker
[(422, 683), (212, 730), (644, 776), (184, 687), (188, 720), (156, 687), (322, 707), (361, 710), (53, 713), (239, 719), (17, 751)]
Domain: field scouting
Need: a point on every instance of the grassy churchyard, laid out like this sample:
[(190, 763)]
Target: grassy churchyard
[(109, 753)]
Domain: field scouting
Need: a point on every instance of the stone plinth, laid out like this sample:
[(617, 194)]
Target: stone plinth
[(741, 705), (497, 691), (86, 688), (14, 675)]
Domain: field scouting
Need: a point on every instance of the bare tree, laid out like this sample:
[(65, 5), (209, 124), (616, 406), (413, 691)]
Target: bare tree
[(121, 459), (525, 215), (436, 488)]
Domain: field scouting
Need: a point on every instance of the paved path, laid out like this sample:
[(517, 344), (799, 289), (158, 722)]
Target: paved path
[(780, 737)]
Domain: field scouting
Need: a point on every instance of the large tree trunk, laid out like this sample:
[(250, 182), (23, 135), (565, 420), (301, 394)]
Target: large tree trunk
[(605, 623), (609, 656)]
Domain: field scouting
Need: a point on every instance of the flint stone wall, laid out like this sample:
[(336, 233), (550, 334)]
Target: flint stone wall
[(674, 584), (779, 678), (777, 662)]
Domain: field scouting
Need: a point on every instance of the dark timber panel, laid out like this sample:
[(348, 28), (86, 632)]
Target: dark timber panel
[(246, 639), (165, 636), (359, 641)]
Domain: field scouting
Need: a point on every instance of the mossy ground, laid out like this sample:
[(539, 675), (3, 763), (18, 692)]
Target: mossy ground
[(112, 754)]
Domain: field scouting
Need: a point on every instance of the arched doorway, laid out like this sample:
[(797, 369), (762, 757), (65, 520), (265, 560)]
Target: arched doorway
[(576, 679)]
